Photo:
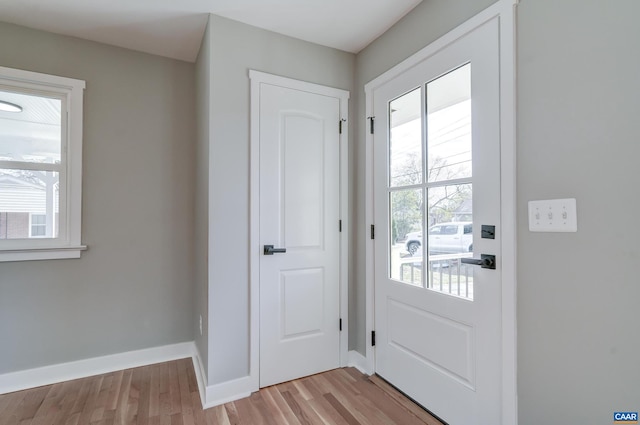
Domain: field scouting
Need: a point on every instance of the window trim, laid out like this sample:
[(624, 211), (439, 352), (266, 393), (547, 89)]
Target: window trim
[(68, 243)]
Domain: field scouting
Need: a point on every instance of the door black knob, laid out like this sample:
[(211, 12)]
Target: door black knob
[(485, 261), (270, 250)]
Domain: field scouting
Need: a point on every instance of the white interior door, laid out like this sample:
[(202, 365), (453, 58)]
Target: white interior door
[(437, 162), (299, 217)]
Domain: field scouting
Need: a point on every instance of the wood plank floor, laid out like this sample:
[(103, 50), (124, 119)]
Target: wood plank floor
[(167, 394)]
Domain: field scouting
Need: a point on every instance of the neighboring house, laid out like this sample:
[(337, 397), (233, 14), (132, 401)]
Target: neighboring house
[(464, 212), (23, 212)]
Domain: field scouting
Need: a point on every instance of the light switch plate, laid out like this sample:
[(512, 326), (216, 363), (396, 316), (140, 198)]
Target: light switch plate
[(554, 215)]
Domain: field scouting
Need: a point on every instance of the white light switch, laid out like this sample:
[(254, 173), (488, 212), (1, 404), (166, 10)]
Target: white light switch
[(554, 215)]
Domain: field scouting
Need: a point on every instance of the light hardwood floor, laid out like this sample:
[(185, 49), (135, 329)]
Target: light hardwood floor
[(167, 394)]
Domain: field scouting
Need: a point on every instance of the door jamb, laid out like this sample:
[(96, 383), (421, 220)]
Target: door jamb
[(257, 78), (505, 11)]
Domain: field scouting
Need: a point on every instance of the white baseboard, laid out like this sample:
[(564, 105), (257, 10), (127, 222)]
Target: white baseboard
[(210, 396), (201, 375), (228, 391), (217, 394), (360, 362), (47, 375)]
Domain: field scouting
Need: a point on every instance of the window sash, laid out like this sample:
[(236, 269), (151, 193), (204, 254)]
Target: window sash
[(33, 166), (70, 92)]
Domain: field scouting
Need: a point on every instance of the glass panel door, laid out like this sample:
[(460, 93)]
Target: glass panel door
[(436, 182)]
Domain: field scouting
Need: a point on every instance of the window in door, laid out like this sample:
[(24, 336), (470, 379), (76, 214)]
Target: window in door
[(430, 185)]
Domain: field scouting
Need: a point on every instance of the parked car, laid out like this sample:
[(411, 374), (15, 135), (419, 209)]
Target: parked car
[(444, 238)]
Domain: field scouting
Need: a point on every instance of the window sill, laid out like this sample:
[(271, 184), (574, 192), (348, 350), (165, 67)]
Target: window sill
[(53, 253)]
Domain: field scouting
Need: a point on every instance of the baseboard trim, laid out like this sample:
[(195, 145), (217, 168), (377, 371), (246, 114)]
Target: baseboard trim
[(217, 394), (201, 375), (47, 375), (210, 395), (360, 362), (226, 392)]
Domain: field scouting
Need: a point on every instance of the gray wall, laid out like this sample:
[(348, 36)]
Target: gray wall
[(203, 78), (236, 48), (578, 97), (133, 288), (578, 104), (578, 87)]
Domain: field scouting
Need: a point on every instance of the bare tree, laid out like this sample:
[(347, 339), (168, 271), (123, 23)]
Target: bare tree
[(407, 206)]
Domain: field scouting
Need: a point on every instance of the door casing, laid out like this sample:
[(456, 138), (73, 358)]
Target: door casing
[(257, 78), (504, 10)]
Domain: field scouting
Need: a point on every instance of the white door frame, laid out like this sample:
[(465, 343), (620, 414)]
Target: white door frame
[(257, 78), (504, 10)]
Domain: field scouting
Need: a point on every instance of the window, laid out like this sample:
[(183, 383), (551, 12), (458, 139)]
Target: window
[(450, 230), (435, 230), (38, 225), (430, 180), (40, 166)]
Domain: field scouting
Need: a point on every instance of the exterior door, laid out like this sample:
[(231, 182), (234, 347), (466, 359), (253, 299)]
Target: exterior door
[(299, 233), (437, 162)]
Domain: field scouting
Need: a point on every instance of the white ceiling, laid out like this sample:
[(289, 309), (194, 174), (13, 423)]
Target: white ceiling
[(174, 28)]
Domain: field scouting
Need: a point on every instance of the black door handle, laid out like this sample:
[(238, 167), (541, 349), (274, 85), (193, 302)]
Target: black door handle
[(485, 261), (270, 250)]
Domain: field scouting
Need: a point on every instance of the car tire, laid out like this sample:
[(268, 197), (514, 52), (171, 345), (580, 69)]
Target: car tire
[(412, 247)]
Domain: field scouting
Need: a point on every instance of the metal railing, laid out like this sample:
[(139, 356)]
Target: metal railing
[(446, 273)]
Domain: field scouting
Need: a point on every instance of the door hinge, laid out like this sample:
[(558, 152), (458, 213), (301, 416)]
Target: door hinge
[(340, 325), (340, 124), (372, 121), (373, 338), (340, 225), (373, 231)]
